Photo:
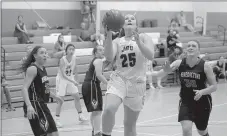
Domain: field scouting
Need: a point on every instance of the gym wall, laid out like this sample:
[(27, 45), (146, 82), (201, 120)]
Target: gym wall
[(56, 13), (163, 11)]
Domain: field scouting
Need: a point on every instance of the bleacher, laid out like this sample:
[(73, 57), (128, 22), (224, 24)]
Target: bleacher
[(14, 52)]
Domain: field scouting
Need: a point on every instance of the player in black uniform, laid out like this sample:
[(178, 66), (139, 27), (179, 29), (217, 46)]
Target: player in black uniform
[(195, 103), (91, 90), (36, 93)]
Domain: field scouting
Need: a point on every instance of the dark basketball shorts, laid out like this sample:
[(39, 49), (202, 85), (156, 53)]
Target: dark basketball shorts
[(92, 95), (197, 112), (44, 123)]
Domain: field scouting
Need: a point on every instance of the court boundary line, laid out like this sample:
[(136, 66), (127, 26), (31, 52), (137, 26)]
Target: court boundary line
[(214, 106), (141, 133), (139, 123)]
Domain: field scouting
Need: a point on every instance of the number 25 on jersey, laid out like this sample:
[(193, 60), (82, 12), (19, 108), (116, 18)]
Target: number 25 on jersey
[(128, 59)]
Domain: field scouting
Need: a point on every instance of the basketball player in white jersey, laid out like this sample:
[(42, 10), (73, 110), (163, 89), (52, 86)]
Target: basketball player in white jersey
[(66, 83), (127, 83)]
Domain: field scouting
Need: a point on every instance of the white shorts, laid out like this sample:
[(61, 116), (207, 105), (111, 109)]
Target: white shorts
[(64, 87), (132, 94)]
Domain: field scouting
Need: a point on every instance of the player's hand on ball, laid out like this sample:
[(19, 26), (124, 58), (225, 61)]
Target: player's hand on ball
[(31, 112), (108, 33), (198, 95)]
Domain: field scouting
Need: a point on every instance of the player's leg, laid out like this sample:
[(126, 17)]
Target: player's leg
[(185, 117), (96, 116), (116, 92), (43, 123), (60, 101), (149, 80), (186, 127), (133, 104), (130, 119), (73, 91), (202, 116), (108, 116), (52, 128), (159, 82), (59, 97)]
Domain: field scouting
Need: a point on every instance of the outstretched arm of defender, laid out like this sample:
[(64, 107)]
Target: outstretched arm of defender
[(167, 68)]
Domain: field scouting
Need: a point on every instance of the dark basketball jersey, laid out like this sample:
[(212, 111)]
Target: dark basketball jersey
[(39, 88), (191, 78), (90, 74)]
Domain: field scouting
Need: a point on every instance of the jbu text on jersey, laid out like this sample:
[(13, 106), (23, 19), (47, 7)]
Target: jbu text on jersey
[(126, 48)]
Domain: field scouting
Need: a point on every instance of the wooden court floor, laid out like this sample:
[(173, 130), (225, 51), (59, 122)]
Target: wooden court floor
[(158, 118)]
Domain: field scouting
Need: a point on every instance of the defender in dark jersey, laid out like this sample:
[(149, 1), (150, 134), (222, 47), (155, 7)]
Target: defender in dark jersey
[(36, 93), (195, 103), (91, 90)]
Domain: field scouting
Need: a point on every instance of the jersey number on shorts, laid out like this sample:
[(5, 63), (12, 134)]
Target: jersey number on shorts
[(129, 59)]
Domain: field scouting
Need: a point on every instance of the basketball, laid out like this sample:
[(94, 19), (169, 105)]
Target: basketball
[(114, 20)]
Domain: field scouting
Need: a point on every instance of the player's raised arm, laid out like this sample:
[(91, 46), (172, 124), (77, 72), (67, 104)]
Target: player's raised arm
[(146, 45), (110, 46)]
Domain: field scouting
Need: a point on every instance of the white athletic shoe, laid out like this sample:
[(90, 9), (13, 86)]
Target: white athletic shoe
[(82, 118), (151, 86), (58, 123)]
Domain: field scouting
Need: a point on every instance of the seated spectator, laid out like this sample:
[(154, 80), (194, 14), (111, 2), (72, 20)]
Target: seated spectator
[(21, 32), (87, 35), (87, 10), (183, 22), (220, 69), (174, 25), (7, 94), (172, 40), (59, 48)]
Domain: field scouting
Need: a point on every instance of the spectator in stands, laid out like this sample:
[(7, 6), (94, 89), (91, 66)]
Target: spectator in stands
[(86, 10), (176, 54), (220, 69), (183, 22), (174, 25), (172, 40), (87, 35), (7, 94), (59, 48), (21, 32)]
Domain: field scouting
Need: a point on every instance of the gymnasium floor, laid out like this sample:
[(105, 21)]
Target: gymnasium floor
[(159, 117)]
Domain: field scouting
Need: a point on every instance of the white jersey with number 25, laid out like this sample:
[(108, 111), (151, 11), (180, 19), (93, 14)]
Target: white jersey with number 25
[(130, 62)]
